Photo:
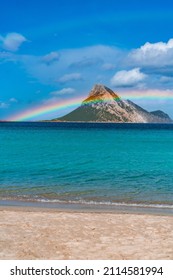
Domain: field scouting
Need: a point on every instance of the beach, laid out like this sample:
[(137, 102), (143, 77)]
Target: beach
[(35, 233)]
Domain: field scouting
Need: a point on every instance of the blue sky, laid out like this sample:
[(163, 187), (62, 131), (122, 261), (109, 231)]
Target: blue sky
[(52, 51)]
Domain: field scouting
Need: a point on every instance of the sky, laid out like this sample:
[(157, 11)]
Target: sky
[(53, 52)]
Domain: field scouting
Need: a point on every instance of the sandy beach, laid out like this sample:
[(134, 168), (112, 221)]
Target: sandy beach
[(27, 233)]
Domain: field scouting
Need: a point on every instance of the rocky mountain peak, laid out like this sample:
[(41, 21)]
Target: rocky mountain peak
[(104, 105), (101, 92), (160, 114)]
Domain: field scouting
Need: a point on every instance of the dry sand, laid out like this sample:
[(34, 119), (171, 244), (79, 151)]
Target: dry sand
[(51, 234)]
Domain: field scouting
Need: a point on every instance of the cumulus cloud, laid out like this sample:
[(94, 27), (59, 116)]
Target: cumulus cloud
[(158, 54), (12, 41), (63, 91), (158, 47), (128, 78), (50, 57), (70, 77), (89, 65)]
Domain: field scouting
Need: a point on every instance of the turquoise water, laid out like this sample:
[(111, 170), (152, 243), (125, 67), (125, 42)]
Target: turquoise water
[(108, 164)]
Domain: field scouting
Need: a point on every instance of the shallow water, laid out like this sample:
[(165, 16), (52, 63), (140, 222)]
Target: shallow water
[(95, 164)]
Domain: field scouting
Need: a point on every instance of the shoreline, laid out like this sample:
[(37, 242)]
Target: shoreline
[(39, 233), (88, 122), (155, 209)]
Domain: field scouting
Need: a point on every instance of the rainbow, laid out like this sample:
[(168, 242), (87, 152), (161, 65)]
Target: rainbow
[(33, 113)]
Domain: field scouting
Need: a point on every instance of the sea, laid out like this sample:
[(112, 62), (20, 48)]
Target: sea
[(93, 166)]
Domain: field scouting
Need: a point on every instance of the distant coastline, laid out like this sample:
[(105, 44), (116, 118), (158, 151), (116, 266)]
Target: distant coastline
[(99, 122)]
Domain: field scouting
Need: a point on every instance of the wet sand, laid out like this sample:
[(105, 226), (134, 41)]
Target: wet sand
[(28, 233)]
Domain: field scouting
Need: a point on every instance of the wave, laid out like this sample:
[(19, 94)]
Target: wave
[(122, 204), (91, 202)]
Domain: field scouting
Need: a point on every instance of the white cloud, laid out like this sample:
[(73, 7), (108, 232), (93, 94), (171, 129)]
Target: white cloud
[(13, 100), (70, 77), (12, 41), (84, 62), (4, 54), (108, 66), (63, 91), (89, 65), (50, 57), (3, 105), (147, 94), (158, 54), (126, 78), (157, 47)]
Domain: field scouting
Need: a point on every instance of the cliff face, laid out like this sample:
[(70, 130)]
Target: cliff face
[(104, 105)]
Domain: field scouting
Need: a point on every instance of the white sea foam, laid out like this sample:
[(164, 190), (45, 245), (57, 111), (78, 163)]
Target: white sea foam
[(26, 199), (107, 203)]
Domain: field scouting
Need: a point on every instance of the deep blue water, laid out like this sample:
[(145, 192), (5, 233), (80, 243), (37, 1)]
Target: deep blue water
[(87, 163)]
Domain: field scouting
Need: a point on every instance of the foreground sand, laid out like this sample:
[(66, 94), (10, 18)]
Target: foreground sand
[(51, 234)]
